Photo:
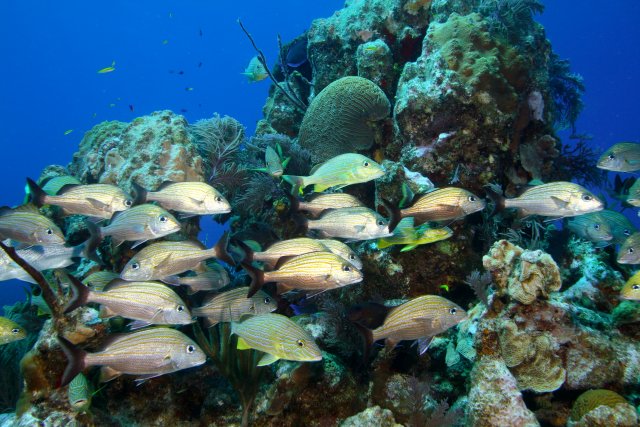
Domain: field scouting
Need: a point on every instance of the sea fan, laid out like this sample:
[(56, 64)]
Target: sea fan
[(480, 282), (218, 140)]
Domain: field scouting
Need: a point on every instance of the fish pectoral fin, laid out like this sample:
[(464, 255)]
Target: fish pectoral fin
[(390, 344), (560, 204), (423, 344), (408, 248), (143, 378), (197, 202), (138, 243), (97, 204), (242, 344), (359, 228), (282, 288), (268, 359), (184, 216), (138, 324), (108, 374)]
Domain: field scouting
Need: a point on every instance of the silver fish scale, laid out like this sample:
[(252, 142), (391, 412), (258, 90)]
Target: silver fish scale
[(183, 256), (311, 271), (76, 200), (230, 306), (345, 222)]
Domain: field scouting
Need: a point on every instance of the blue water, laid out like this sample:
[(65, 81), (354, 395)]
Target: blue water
[(51, 52)]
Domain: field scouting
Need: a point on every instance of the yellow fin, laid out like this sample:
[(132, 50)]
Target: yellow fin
[(242, 344)]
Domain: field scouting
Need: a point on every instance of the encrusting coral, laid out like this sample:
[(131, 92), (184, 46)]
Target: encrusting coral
[(601, 408)]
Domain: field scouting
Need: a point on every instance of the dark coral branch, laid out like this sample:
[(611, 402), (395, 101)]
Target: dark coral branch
[(285, 72), (263, 61)]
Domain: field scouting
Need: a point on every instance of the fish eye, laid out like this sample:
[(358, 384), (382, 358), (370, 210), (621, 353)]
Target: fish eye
[(380, 222), (626, 232), (346, 268), (352, 257), (634, 287), (218, 199), (191, 349), (630, 250), (163, 218), (180, 308), (49, 231), (472, 198), (135, 266), (587, 197), (453, 310), (365, 164), (596, 226), (16, 331), (128, 203), (611, 156), (300, 343), (267, 300)]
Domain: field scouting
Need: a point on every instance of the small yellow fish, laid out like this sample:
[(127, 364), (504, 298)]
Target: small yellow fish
[(112, 105), (68, 131), (165, 41), (108, 69), (444, 287), (406, 234), (631, 289), (10, 331), (255, 71)]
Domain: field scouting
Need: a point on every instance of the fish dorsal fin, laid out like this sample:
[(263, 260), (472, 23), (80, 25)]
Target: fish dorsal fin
[(244, 317), (268, 359), (66, 188), (110, 340), (315, 168), (114, 284), (283, 260), (164, 185)]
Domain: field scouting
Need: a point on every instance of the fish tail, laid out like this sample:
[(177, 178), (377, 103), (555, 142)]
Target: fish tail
[(95, 237), (38, 196), (79, 297), (367, 335), (302, 223), (248, 252), (221, 249), (87, 249), (395, 215), (257, 278), (496, 196), (75, 361), (139, 193), (296, 182), (294, 204)]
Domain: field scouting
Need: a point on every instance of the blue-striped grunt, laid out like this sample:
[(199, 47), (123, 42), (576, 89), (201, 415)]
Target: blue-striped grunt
[(621, 157), (591, 226), (28, 227), (187, 198)]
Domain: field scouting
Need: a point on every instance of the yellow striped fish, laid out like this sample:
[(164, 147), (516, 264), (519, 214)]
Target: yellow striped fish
[(320, 203), (94, 200), (80, 394), (145, 302), (278, 336), (138, 224), (340, 171), (10, 331), (284, 248), (591, 226), (314, 271), (147, 353), (188, 198), (443, 204), (419, 319), (163, 259), (98, 280), (211, 280), (350, 223), (343, 251), (406, 234), (629, 252), (620, 226), (556, 199), (621, 157), (28, 227), (631, 289), (230, 306)]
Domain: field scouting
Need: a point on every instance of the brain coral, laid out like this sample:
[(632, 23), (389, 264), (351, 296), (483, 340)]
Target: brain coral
[(522, 274), (591, 399), (339, 118)]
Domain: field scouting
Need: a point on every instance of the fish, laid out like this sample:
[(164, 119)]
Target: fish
[(274, 165), (109, 69), (629, 252), (10, 331), (631, 289), (555, 199), (284, 248), (68, 131), (138, 224), (28, 227), (420, 319), (93, 200), (131, 108), (339, 171), (211, 280), (313, 271), (621, 157), (188, 89), (277, 336), (165, 41), (406, 234), (443, 204), (633, 193), (164, 259), (230, 306), (147, 354), (55, 184), (297, 53), (620, 226), (255, 71), (98, 280), (343, 251), (349, 223), (145, 302), (187, 198), (318, 204), (80, 393), (591, 226)]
